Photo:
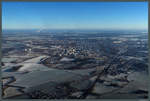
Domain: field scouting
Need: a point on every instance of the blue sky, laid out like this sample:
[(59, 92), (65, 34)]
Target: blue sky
[(74, 15)]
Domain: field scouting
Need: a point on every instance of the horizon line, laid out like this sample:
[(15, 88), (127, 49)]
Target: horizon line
[(66, 29)]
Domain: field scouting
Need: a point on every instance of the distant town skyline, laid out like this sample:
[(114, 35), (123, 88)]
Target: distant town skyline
[(75, 15)]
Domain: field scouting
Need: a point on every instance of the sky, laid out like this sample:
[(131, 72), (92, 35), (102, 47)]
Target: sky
[(75, 15)]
